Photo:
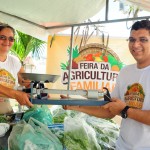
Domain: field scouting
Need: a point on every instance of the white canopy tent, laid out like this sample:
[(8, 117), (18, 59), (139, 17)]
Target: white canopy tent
[(34, 16), (41, 18)]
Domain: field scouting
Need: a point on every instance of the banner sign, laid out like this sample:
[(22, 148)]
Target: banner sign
[(91, 71), (91, 76)]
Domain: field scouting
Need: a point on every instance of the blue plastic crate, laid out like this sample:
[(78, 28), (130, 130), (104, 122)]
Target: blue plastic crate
[(56, 126)]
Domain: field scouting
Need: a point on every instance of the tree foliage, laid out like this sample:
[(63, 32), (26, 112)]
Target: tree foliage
[(25, 44)]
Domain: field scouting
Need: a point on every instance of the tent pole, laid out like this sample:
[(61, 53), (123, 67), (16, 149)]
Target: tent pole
[(106, 10), (70, 57)]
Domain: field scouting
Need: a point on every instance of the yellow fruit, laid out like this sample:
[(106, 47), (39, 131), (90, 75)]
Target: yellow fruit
[(98, 59), (115, 68)]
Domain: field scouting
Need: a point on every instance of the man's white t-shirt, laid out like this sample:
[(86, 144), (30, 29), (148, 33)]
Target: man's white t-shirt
[(9, 78), (133, 86)]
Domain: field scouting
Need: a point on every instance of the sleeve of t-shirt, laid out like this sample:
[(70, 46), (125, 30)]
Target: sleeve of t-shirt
[(115, 92), (17, 63)]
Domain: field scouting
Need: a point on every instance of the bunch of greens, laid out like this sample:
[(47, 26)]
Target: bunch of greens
[(58, 115), (107, 131), (78, 135), (84, 132), (3, 119)]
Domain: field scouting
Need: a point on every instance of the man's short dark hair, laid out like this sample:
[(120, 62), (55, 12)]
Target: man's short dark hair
[(143, 24)]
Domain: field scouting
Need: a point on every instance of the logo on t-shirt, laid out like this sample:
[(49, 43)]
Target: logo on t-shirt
[(6, 78), (134, 96)]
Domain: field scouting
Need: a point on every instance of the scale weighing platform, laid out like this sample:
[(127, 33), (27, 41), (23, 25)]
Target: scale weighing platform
[(39, 94)]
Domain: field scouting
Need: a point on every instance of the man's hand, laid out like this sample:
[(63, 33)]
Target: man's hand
[(23, 98), (66, 107), (115, 106)]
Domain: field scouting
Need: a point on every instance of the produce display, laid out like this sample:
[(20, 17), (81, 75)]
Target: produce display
[(80, 129), (68, 130)]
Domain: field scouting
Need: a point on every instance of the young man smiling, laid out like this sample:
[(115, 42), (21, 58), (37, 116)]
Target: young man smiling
[(131, 96)]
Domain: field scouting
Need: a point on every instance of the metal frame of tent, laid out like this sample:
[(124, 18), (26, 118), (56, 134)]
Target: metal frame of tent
[(106, 21)]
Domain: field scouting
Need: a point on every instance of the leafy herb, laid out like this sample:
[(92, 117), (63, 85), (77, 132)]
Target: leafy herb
[(3, 119)]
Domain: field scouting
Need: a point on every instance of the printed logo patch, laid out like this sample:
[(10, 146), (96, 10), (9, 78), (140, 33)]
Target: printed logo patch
[(6, 79), (134, 96)]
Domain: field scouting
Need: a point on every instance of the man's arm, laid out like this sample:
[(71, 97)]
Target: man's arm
[(97, 111), (112, 109), (117, 105), (142, 116)]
